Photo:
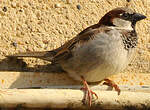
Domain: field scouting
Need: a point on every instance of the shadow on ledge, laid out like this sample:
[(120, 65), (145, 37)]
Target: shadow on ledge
[(37, 76), (18, 65)]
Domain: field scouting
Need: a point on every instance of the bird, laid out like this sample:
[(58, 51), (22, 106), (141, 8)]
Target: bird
[(97, 52)]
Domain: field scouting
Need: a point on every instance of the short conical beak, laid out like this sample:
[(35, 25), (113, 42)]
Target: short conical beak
[(138, 17)]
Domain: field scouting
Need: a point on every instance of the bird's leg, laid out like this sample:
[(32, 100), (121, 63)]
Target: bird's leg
[(88, 92), (112, 84)]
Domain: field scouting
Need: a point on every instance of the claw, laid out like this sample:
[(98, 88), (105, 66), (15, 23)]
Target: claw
[(112, 84), (88, 93)]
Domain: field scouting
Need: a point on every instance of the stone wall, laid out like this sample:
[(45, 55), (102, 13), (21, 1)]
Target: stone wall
[(37, 25)]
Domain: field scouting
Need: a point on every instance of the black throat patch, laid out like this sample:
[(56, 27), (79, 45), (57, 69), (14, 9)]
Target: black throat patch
[(130, 39)]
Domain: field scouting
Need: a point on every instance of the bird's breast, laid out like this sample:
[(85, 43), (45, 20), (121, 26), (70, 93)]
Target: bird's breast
[(98, 58)]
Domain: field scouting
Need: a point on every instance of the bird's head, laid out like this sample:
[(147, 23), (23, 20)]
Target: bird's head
[(121, 17)]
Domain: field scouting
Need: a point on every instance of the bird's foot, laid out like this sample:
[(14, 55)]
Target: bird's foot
[(112, 84), (88, 93)]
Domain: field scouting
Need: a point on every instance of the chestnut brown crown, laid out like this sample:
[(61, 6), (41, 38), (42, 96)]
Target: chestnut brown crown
[(122, 13)]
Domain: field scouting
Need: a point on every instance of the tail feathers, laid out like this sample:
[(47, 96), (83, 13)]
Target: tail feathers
[(45, 55)]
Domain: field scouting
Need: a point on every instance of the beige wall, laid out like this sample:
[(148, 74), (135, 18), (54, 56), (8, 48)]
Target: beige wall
[(38, 25)]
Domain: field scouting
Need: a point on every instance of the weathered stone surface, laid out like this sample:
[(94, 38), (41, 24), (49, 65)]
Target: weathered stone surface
[(40, 21)]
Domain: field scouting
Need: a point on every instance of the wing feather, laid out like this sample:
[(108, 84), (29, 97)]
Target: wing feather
[(65, 51)]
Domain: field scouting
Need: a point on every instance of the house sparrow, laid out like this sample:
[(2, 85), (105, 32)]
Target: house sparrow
[(99, 51)]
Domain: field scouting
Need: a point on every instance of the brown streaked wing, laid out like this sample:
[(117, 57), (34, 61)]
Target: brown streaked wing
[(64, 52)]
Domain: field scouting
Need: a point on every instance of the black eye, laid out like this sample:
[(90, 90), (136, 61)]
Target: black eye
[(125, 15)]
